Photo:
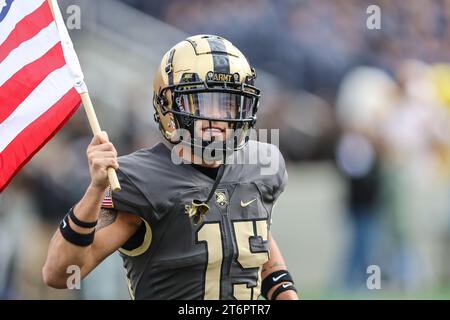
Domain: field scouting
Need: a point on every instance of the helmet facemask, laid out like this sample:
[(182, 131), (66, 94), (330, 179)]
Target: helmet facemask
[(216, 115)]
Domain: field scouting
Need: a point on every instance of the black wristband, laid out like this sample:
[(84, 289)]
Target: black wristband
[(273, 279), (78, 239), (80, 223), (284, 287)]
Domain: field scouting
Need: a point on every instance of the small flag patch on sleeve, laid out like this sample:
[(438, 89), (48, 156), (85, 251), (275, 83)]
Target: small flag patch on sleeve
[(107, 200)]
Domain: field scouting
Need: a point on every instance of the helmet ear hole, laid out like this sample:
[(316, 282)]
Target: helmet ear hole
[(164, 101), (167, 124)]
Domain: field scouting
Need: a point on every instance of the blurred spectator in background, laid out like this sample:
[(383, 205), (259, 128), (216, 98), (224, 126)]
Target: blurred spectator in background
[(365, 97), (412, 133), (8, 250)]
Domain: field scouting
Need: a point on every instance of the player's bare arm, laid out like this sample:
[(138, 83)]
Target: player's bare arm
[(276, 264), (101, 154)]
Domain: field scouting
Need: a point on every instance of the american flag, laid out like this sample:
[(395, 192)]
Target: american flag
[(40, 80)]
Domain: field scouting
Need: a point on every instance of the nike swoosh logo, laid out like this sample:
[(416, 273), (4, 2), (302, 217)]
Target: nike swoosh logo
[(285, 285), (64, 224), (279, 277), (245, 204)]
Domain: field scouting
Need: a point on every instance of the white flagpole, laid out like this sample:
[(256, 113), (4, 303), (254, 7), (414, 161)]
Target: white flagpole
[(75, 68)]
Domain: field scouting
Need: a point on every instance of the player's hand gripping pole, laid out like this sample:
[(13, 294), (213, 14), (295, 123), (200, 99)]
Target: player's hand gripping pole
[(95, 126)]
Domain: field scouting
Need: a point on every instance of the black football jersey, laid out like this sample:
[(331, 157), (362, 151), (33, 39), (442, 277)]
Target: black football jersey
[(219, 258)]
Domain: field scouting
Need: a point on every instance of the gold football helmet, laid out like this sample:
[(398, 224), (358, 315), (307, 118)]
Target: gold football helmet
[(205, 85)]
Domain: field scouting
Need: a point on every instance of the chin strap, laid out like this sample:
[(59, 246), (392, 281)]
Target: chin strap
[(216, 182), (197, 208)]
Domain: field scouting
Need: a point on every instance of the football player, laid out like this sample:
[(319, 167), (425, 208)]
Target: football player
[(188, 225)]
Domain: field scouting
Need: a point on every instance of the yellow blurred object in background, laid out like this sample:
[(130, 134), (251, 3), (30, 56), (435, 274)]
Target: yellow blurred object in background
[(440, 75)]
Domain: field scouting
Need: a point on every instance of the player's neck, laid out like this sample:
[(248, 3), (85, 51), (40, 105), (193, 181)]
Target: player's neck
[(193, 158)]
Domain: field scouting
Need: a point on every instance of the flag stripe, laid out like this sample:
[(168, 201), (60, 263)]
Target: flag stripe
[(22, 84), (19, 10), (69, 53), (36, 135), (29, 51), (27, 28), (46, 94)]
